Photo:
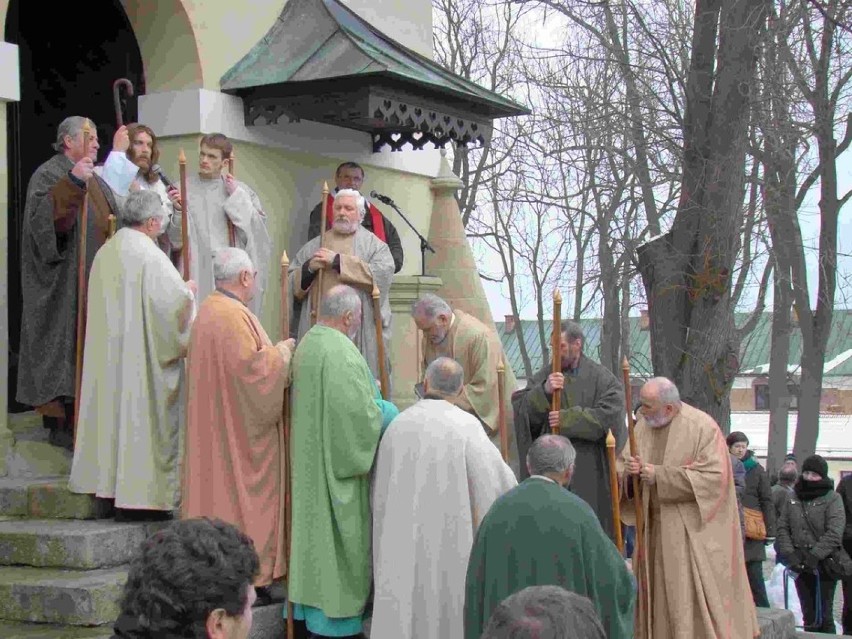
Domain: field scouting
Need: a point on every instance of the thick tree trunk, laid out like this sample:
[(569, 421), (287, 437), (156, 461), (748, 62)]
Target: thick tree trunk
[(687, 271), (779, 357), (611, 324)]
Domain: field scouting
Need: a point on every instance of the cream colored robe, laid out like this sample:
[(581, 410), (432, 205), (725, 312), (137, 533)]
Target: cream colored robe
[(129, 435), (210, 208), (235, 460), (698, 583), (478, 350), (364, 258), (436, 478)]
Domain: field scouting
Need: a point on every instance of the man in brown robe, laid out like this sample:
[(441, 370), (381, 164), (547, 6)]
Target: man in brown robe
[(351, 255), (50, 241), (235, 457), (693, 551), (462, 337)]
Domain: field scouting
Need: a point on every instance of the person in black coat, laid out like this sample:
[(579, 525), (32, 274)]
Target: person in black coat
[(757, 496), (844, 489)]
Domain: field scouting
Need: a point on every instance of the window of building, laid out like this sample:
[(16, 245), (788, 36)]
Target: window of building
[(761, 396)]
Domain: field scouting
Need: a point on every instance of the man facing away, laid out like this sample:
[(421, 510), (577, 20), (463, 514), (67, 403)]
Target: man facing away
[(352, 256), (191, 579), (592, 403), (693, 550), (350, 175), (541, 534), (129, 436), (50, 241), (235, 467), (436, 477), (337, 419), (214, 201), (460, 336)]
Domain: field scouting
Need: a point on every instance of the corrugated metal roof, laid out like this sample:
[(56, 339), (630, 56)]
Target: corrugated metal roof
[(754, 350)]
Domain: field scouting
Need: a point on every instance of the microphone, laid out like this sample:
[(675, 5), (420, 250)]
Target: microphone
[(381, 198), (159, 171)]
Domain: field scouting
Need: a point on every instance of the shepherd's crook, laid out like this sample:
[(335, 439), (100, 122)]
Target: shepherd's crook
[(380, 343), (82, 284), (116, 97), (285, 419), (556, 342)]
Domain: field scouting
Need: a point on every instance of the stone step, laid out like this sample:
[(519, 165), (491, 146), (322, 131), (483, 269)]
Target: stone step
[(58, 543), (68, 597), (48, 498), (51, 631)]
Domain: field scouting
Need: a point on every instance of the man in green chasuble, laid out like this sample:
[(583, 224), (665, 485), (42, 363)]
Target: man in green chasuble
[(338, 417)]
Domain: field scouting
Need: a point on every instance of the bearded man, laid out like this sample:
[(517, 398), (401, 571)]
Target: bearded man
[(352, 255)]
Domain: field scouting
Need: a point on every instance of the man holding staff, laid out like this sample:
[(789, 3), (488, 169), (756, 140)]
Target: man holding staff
[(592, 403), (693, 550), (456, 334), (234, 467), (131, 400), (353, 256), (336, 420), (214, 200), (49, 272)]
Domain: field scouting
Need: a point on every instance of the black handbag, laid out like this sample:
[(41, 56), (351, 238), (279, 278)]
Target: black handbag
[(838, 565)]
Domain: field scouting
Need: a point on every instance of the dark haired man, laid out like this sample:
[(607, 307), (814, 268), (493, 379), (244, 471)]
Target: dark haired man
[(350, 175), (191, 579), (215, 199), (544, 611)]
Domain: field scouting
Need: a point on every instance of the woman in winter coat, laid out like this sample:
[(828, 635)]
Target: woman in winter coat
[(811, 529), (758, 496)]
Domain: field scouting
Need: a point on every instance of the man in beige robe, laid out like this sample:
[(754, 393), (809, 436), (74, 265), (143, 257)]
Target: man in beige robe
[(455, 334), (351, 255), (129, 435), (693, 557), (235, 461)]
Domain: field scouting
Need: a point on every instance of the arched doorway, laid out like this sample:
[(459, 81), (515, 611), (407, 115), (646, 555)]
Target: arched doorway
[(68, 64)]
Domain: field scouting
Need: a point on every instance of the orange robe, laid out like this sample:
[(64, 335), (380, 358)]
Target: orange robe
[(235, 456)]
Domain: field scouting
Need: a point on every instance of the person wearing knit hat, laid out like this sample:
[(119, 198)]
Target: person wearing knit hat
[(810, 530), (757, 496)]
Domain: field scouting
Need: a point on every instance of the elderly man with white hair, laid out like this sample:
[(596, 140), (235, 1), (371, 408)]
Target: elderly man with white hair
[(693, 551), (352, 255), (234, 467), (437, 474), (541, 534), (128, 444)]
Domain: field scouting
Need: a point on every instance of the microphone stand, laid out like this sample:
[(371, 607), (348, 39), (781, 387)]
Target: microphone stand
[(424, 244)]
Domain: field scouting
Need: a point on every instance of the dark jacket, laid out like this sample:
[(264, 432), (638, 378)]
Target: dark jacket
[(758, 496), (844, 489), (825, 532), (780, 497), (391, 234)]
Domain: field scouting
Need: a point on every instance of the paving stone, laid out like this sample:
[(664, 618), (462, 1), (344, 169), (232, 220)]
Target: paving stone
[(68, 597), (68, 543), (268, 622), (776, 623)]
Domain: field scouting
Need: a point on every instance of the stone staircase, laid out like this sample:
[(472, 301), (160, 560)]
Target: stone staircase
[(63, 559)]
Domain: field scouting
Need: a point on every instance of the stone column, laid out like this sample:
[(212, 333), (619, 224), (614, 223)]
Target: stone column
[(405, 340), (10, 89)]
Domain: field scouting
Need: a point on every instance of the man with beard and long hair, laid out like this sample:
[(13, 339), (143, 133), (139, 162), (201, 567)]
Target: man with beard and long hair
[(693, 551), (130, 166), (592, 404), (811, 529), (337, 420), (351, 255)]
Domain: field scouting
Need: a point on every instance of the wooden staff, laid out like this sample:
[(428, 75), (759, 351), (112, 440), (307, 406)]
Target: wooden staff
[(116, 98), (82, 283), (638, 548), (110, 225), (285, 419), (377, 315), (316, 293), (556, 342), (501, 411), (613, 487), (184, 221), (232, 231)]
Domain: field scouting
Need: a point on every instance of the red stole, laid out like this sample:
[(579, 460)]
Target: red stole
[(373, 212)]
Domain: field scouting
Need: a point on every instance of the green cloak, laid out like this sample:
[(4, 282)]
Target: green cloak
[(540, 534), (335, 432)]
